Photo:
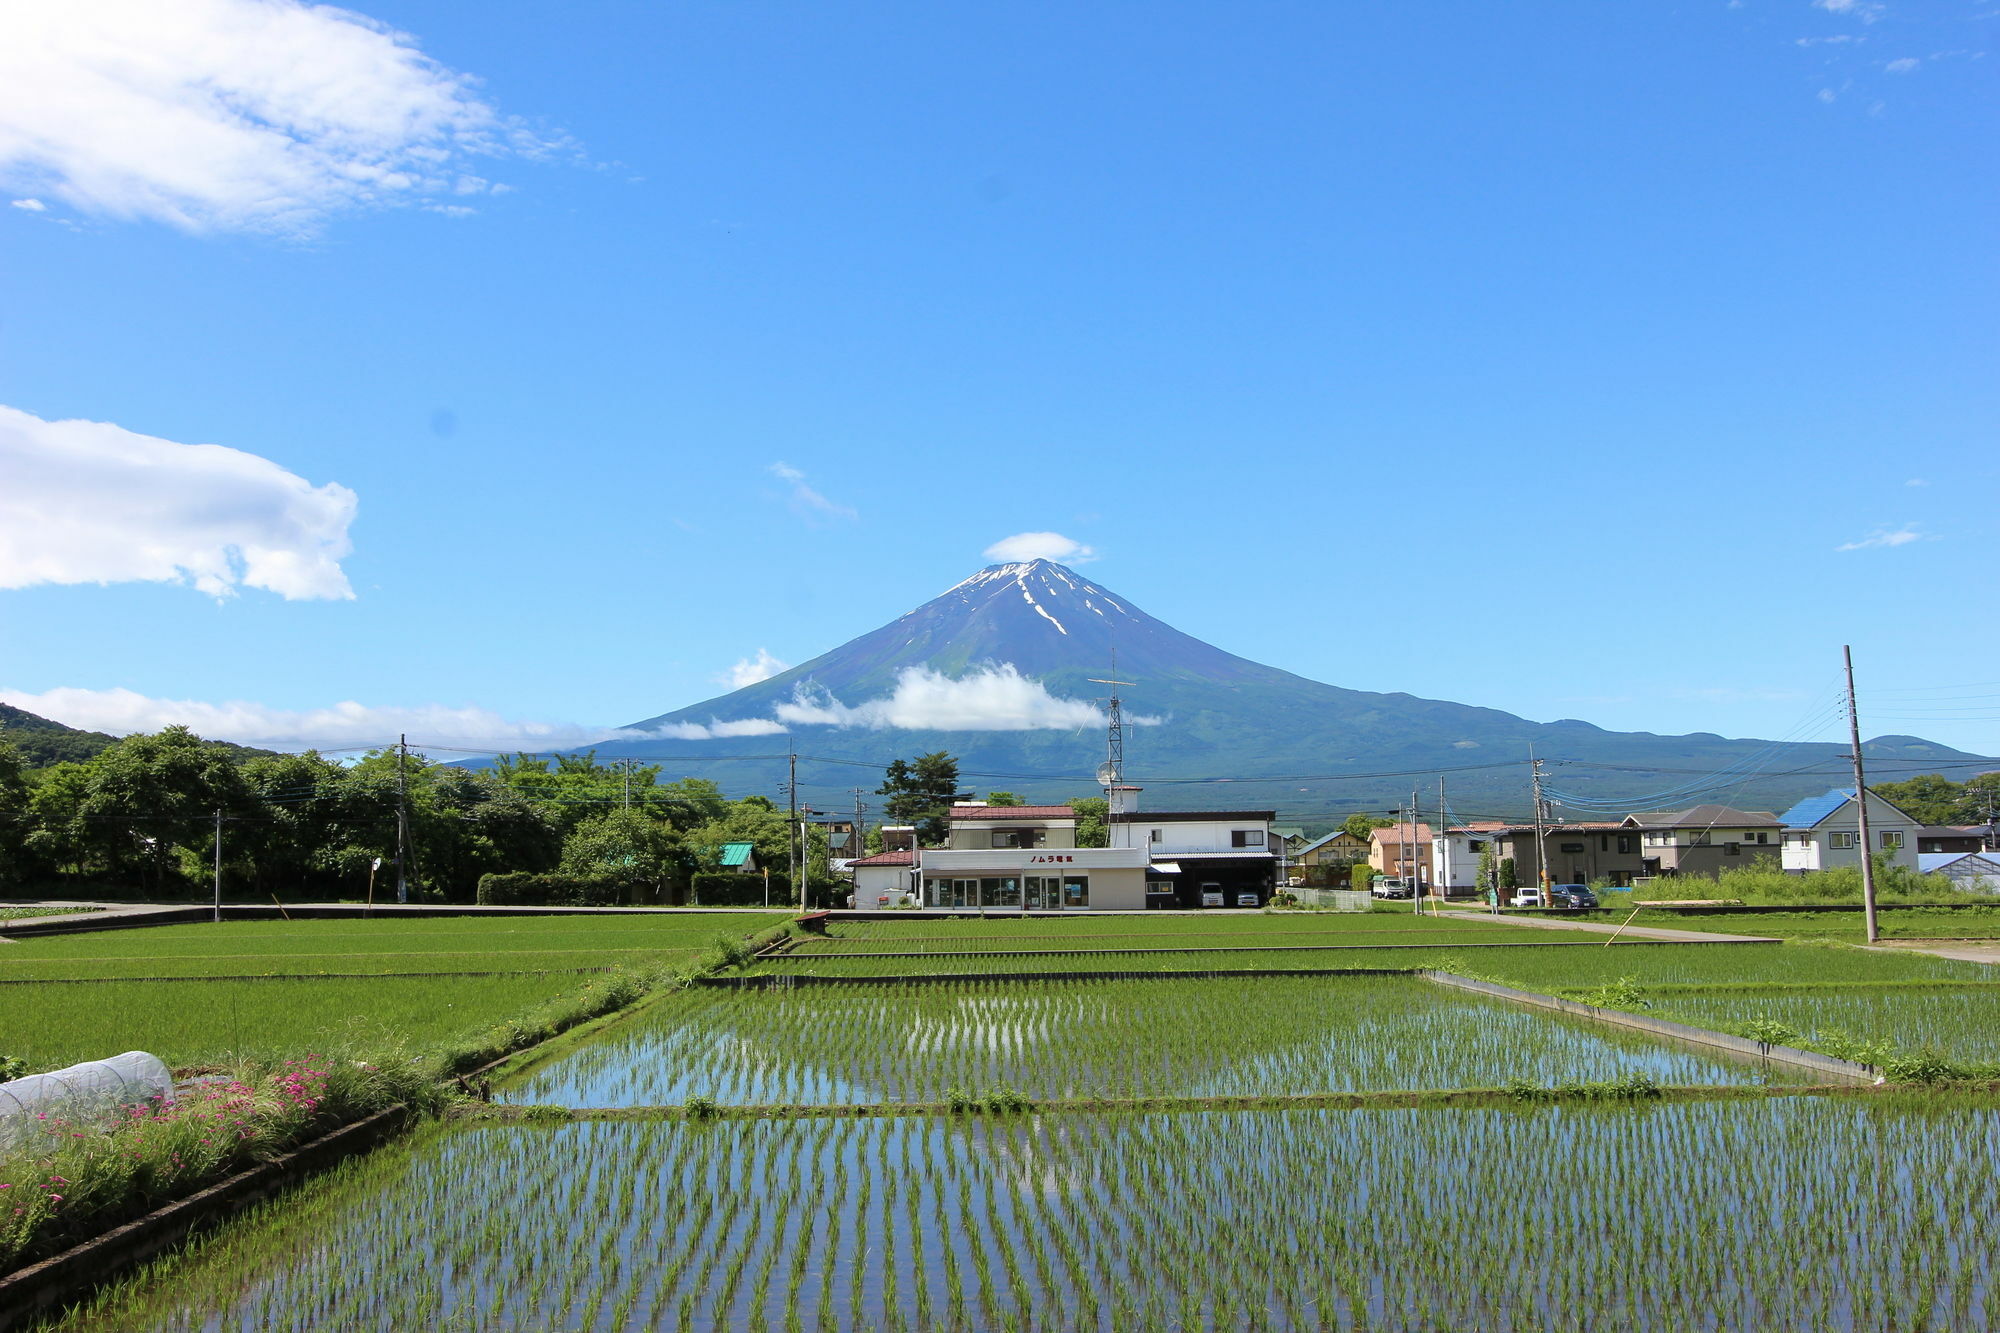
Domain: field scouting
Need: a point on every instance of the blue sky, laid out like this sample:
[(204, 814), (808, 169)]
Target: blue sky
[(1604, 361)]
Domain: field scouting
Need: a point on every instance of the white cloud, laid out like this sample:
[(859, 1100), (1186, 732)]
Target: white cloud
[(992, 698), (750, 670), (90, 502), (1902, 536), (1907, 65), (712, 729), (32, 205), (805, 499), (1039, 546), (1868, 11), (343, 725), (1840, 40), (1826, 94), (1916, 481), (254, 115)]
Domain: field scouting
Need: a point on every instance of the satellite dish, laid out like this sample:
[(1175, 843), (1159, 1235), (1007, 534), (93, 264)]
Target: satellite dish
[(1106, 774)]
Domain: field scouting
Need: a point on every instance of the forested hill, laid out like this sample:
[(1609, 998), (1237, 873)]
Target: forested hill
[(43, 741)]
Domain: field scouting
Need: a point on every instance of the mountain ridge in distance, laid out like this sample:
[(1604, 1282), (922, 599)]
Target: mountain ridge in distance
[(1002, 670)]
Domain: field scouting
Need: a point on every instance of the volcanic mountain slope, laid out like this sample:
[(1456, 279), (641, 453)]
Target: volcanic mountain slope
[(999, 670)]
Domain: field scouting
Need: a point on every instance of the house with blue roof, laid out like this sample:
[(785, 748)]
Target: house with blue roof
[(1822, 832)]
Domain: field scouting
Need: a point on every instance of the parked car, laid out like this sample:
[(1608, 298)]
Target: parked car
[(1526, 898), (1246, 899), (1392, 888), (1575, 897)]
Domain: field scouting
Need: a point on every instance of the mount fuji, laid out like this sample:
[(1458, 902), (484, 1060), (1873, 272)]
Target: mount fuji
[(1004, 670)]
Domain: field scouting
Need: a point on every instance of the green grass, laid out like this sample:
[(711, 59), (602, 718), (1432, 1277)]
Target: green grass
[(1093, 1039), (1533, 966), (1906, 923), (197, 1022), (23, 913), (1963, 1024), (1831, 1213), (363, 948), (1029, 935)]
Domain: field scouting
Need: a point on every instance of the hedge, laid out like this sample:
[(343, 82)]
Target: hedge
[(552, 889), (725, 888)]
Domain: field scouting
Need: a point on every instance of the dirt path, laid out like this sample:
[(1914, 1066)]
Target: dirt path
[(1967, 951), (1660, 933)]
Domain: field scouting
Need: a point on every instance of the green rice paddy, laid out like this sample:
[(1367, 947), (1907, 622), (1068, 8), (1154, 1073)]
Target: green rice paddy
[(1792, 1213), (720, 1177), (1095, 1039), (364, 948), (348, 985), (215, 1022)]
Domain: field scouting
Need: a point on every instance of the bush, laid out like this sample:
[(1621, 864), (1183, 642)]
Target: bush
[(553, 889), (725, 888)]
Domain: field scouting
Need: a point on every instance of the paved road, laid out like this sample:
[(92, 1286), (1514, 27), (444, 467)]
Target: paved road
[(1626, 933)]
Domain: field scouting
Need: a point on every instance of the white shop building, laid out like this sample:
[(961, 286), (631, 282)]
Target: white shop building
[(1025, 858)]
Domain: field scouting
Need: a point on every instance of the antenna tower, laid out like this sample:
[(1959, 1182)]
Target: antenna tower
[(1111, 774)]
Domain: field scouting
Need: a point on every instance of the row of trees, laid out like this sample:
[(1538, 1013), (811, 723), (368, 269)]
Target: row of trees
[(141, 817), (1935, 799)]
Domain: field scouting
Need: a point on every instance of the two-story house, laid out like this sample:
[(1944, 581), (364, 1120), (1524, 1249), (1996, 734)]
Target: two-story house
[(1581, 853), (1455, 857), (1202, 858), (1705, 840), (1822, 832), (1402, 851), (1339, 849), (1025, 858)]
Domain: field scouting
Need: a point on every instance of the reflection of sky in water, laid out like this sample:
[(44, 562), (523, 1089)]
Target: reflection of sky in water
[(1118, 1039)]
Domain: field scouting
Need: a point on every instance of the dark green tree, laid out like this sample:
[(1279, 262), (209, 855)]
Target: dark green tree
[(921, 793), (1091, 814), (1361, 825)]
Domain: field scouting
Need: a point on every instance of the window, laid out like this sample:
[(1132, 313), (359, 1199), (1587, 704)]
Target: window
[(1732, 849), (1019, 837), (1159, 835), (1076, 892), (1165, 886), (1892, 839), (1759, 838), (1627, 844), (1840, 841), (1475, 845), (1699, 838), (1246, 837)]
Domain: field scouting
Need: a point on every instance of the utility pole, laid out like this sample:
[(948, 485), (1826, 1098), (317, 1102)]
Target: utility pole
[(1442, 843), (1411, 866), (218, 865), (857, 845), (792, 829), (626, 766), (402, 817), (1861, 803), (1541, 832)]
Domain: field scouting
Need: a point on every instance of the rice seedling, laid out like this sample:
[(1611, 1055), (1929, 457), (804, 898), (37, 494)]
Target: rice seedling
[(1791, 1212), (1540, 965), (197, 1022), (378, 947), (998, 1046)]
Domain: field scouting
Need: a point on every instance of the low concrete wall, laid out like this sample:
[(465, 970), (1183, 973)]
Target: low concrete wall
[(1661, 1027), (771, 981), (27, 1293)]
